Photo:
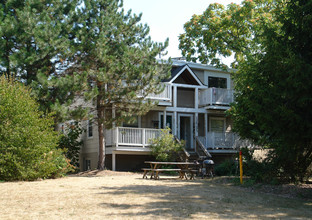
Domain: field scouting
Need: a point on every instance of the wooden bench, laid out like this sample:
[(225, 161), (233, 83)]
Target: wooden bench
[(191, 172), (146, 171), (155, 172)]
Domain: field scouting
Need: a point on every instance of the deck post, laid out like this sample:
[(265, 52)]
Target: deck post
[(196, 127), (164, 119), (196, 98), (116, 130), (174, 98), (206, 129), (114, 161), (175, 123), (143, 137)]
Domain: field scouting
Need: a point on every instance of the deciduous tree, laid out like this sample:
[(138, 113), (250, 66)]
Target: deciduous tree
[(272, 82), (28, 143)]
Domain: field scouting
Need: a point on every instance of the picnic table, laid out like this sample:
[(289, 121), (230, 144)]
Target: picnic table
[(183, 168)]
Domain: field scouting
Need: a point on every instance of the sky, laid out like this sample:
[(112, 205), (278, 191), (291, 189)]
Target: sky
[(167, 17)]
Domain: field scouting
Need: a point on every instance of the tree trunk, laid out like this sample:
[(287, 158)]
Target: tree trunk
[(101, 162), (100, 118)]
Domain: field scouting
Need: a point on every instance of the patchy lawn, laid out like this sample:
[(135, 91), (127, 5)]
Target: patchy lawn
[(118, 195)]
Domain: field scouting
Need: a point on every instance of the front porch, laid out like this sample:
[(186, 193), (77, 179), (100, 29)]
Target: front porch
[(130, 138), (138, 140), (223, 142)]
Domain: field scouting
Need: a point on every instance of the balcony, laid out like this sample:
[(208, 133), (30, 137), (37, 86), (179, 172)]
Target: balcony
[(131, 138), (216, 98), (223, 142), (164, 96)]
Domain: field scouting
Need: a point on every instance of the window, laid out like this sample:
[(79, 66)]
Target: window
[(217, 82), (168, 121), (90, 129), (217, 125)]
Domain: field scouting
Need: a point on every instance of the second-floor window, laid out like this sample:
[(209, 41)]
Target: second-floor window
[(217, 82), (90, 129)]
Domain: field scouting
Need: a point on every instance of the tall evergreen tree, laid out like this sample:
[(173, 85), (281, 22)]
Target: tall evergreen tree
[(35, 47), (118, 60)]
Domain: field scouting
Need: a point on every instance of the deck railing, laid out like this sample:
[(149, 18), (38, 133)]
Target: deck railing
[(216, 96), (165, 95), (136, 137), (223, 140)]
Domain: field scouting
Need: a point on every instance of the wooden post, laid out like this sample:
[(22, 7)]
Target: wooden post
[(114, 161)]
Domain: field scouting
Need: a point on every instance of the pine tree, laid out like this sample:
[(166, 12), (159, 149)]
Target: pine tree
[(118, 60), (36, 38)]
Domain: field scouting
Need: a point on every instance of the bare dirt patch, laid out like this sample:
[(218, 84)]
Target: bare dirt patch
[(123, 195)]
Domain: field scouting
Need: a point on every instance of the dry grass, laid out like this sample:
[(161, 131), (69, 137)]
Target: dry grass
[(110, 195)]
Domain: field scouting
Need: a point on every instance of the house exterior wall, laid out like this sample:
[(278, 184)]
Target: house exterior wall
[(150, 120), (186, 97), (200, 74), (184, 103)]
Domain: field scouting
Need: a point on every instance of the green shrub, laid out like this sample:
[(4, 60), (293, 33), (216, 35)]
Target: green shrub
[(28, 144), (259, 171), (165, 147), (226, 168)]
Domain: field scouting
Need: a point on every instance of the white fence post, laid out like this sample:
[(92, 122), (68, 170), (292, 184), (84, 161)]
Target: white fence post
[(116, 134), (143, 137)]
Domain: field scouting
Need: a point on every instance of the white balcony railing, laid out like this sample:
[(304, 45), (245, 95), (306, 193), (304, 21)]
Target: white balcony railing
[(164, 95), (216, 96), (136, 137), (223, 140)]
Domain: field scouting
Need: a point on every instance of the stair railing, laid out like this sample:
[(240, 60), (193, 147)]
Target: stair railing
[(201, 150), (183, 155)]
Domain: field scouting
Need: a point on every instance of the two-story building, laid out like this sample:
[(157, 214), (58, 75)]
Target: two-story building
[(193, 105)]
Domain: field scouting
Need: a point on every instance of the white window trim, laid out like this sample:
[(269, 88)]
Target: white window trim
[(220, 75), (89, 137), (161, 114)]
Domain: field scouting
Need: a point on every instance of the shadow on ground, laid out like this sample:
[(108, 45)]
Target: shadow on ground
[(206, 198)]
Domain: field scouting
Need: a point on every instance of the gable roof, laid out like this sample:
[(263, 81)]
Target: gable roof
[(177, 72)]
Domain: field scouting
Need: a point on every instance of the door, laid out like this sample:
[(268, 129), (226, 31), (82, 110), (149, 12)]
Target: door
[(186, 130)]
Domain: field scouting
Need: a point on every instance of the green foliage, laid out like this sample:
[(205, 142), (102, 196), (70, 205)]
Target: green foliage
[(226, 168), (35, 48), (273, 98), (71, 143), (271, 41), (232, 30), (165, 147), (117, 59), (28, 144), (90, 50), (258, 171)]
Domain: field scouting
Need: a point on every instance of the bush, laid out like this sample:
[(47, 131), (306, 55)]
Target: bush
[(165, 147), (71, 143), (259, 171), (226, 168), (28, 144)]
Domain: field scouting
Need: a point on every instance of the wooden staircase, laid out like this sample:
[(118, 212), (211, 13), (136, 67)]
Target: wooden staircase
[(200, 152)]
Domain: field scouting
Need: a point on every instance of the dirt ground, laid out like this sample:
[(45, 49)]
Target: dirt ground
[(118, 195)]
